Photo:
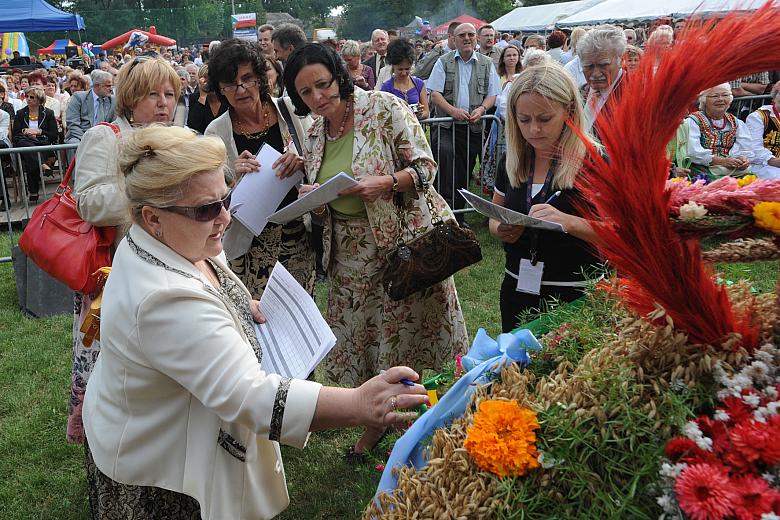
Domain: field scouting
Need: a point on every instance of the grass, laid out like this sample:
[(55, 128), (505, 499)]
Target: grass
[(42, 477)]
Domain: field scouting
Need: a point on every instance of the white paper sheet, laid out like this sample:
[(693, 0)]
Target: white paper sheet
[(327, 192), (259, 193), (506, 215), (295, 337)]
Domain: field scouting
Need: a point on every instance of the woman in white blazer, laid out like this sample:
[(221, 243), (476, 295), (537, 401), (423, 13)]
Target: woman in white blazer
[(179, 414), (237, 75)]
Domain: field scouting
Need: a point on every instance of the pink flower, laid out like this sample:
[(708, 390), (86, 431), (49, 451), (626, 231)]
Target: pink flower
[(704, 492)]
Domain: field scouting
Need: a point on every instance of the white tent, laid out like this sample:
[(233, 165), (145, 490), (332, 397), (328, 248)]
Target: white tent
[(616, 11), (540, 17)]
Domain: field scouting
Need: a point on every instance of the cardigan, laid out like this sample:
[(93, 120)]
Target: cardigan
[(238, 238), (178, 399)]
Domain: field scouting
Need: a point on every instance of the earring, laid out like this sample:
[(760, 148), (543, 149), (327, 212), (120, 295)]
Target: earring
[(130, 120), (157, 234)]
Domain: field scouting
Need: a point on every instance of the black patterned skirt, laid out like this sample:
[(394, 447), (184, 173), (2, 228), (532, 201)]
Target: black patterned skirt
[(110, 500)]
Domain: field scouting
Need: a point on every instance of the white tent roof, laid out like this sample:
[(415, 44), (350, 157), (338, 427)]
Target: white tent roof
[(539, 17), (614, 11)]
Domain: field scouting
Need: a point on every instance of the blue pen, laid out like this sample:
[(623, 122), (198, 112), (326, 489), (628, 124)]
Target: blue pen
[(553, 197), (406, 382)]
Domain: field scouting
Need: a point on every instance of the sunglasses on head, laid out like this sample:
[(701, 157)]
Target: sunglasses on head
[(203, 213)]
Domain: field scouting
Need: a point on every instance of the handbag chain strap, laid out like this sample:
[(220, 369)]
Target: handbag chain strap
[(422, 181)]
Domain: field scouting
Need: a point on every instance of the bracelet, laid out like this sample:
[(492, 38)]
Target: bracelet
[(395, 182), (319, 213)]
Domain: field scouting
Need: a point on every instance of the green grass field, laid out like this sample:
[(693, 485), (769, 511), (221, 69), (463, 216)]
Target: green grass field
[(42, 477)]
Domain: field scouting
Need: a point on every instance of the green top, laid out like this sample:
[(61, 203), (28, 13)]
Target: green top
[(338, 158)]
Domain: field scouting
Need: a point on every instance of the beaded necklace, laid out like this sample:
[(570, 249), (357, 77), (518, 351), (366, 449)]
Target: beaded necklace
[(341, 127)]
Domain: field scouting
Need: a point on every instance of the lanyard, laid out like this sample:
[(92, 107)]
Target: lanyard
[(542, 196)]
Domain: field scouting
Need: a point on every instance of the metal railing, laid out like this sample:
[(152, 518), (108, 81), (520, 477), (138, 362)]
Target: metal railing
[(742, 106), (15, 165), (453, 145)]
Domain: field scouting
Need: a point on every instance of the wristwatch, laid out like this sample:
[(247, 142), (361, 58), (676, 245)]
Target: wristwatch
[(395, 182)]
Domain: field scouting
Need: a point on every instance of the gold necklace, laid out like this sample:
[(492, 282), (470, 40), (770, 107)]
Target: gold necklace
[(254, 135)]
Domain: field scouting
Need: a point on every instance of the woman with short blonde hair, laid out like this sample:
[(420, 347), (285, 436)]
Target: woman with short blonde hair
[(362, 75), (179, 408), (136, 80), (537, 177)]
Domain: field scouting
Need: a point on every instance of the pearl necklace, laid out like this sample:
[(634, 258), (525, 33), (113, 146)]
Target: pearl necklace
[(340, 134)]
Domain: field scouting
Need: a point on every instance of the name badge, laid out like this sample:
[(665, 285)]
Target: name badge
[(529, 277)]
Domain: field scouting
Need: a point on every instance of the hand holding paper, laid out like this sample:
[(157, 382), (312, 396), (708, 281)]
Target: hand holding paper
[(508, 216), (315, 198)]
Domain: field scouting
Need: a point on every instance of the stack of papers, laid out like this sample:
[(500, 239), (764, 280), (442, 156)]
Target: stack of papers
[(295, 337), (506, 215), (327, 192), (259, 193)]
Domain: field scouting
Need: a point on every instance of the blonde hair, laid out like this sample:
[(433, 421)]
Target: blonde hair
[(37, 92), (576, 36), (157, 162), (137, 78), (553, 83), (350, 48)]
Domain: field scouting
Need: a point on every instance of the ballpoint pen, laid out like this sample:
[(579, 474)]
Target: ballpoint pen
[(553, 197)]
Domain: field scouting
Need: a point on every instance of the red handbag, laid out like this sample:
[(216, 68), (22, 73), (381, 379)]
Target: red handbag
[(63, 245)]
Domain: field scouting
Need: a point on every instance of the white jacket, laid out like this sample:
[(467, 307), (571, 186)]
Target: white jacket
[(177, 397)]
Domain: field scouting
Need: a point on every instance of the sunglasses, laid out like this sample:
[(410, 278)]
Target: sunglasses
[(203, 213)]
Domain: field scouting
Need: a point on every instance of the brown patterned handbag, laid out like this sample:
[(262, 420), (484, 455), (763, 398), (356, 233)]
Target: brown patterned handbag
[(431, 257)]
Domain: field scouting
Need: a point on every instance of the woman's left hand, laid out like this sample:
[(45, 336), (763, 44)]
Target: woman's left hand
[(551, 214), (257, 313), (287, 164), (371, 188), (384, 400)]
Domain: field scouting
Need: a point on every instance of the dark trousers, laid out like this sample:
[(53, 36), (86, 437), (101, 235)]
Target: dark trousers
[(513, 302), (31, 164), (456, 150), (7, 170)]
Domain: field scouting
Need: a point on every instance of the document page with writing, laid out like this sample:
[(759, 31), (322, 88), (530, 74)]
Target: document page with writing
[(295, 337), (327, 192), (506, 215), (259, 193)]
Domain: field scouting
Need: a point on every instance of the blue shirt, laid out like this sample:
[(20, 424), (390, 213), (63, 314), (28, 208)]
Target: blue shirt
[(436, 80), (47, 64)]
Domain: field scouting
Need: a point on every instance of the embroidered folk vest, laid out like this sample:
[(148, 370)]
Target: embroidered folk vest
[(719, 142), (771, 131)]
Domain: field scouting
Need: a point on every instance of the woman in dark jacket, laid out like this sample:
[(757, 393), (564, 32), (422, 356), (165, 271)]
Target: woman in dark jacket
[(34, 125)]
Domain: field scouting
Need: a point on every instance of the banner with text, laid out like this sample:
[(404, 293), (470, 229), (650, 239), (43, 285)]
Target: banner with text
[(244, 26)]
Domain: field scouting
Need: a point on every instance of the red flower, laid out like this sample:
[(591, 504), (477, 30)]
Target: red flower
[(756, 441), (704, 492), (683, 449), (753, 497), (715, 430), (737, 409)]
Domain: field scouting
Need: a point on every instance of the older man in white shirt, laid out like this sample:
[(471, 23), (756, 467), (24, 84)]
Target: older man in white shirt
[(764, 128)]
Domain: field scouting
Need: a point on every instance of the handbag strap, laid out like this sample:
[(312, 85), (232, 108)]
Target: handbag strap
[(290, 126), (69, 172)]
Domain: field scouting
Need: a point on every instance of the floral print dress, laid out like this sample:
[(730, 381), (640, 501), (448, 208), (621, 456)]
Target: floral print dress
[(373, 331)]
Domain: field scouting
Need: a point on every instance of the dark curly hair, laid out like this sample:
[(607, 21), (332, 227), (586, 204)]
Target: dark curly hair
[(399, 51), (224, 61), (311, 54)]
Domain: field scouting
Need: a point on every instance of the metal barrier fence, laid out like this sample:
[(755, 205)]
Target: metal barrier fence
[(743, 106), (15, 166), (457, 148)]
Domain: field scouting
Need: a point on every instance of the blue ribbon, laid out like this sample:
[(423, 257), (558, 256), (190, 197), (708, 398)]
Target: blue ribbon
[(483, 361)]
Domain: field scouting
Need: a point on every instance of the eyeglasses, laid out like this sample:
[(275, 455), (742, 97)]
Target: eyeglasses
[(245, 84), (718, 96), (203, 213)]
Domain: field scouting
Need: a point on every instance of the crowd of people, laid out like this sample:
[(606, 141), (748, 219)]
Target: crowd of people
[(176, 414)]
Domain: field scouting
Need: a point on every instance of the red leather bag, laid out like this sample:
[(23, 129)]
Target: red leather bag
[(63, 245)]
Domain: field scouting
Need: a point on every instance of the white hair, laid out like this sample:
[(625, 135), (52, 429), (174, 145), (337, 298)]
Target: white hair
[(604, 38), (99, 77), (533, 57), (377, 32), (704, 93)]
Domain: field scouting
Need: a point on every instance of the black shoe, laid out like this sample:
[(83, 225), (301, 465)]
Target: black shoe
[(464, 225), (33, 198)]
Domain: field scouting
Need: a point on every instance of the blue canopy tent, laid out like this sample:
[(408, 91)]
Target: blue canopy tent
[(36, 16)]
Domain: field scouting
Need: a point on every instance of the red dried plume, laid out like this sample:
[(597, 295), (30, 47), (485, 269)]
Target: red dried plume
[(630, 204)]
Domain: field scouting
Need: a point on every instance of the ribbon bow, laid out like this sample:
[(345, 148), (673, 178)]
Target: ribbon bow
[(483, 362)]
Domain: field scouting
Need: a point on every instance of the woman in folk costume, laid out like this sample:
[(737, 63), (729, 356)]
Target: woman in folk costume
[(718, 142), (764, 128)]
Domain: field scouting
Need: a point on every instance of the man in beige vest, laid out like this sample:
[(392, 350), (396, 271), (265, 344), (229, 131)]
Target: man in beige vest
[(463, 86)]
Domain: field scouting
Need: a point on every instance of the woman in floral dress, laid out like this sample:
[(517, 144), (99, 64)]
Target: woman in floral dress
[(375, 138)]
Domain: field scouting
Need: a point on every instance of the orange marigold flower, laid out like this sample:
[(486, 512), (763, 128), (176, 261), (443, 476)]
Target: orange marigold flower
[(502, 439), (767, 215)]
